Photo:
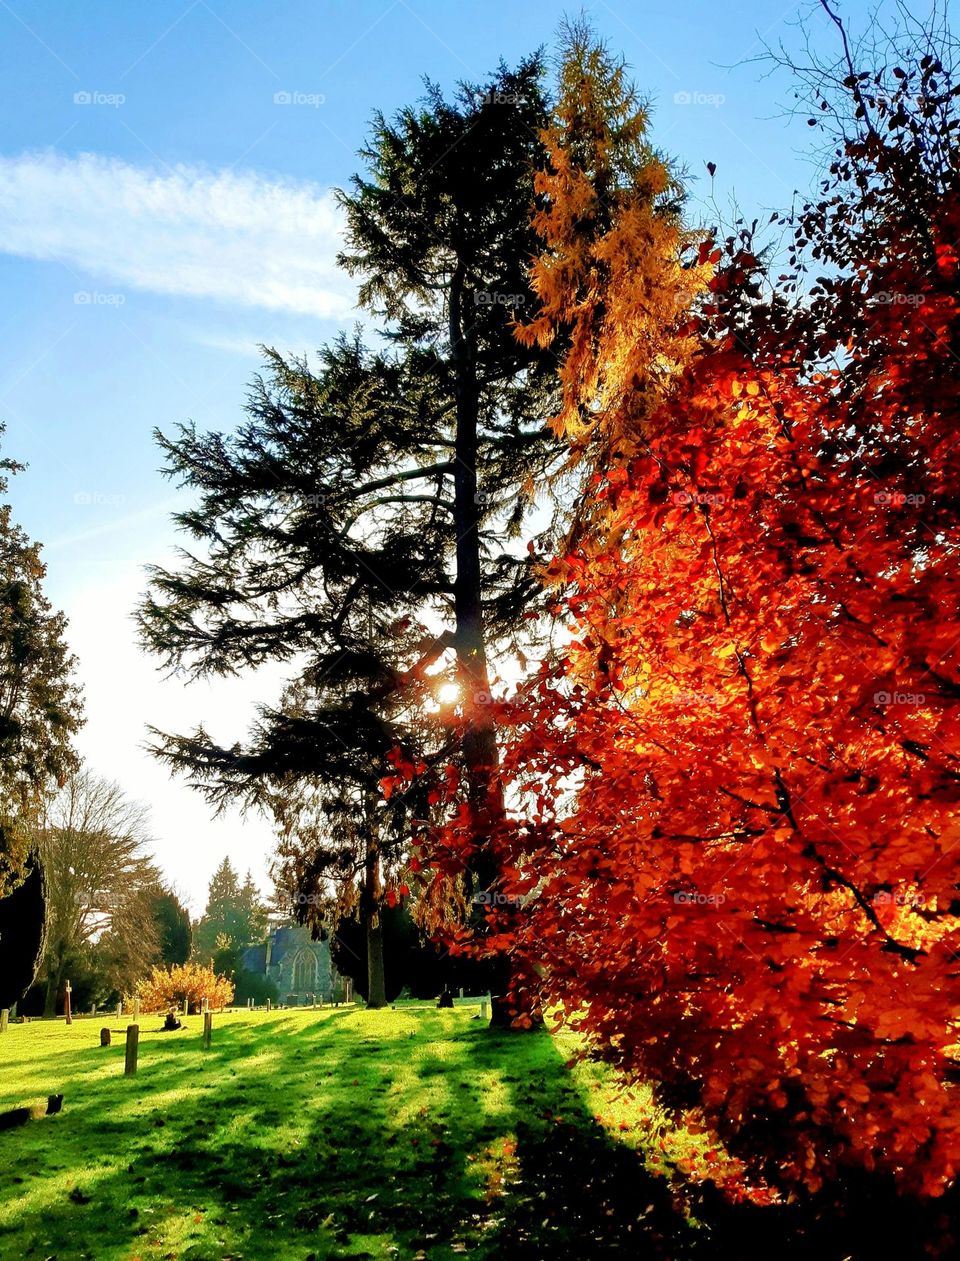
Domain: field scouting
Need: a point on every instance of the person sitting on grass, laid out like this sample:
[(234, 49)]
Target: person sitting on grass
[(171, 1022)]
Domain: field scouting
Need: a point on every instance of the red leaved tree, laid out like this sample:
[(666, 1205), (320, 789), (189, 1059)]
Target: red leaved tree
[(735, 844)]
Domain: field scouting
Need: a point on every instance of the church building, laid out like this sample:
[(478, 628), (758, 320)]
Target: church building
[(300, 968)]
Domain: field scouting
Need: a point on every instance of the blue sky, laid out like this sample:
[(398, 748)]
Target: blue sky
[(165, 176)]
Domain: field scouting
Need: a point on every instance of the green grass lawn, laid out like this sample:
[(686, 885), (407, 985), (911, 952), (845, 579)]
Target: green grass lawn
[(337, 1133)]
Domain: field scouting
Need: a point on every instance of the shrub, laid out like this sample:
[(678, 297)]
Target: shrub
[(193, 982)]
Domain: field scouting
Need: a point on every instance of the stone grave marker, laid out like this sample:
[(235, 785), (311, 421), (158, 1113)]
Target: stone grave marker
[(133, 1041)]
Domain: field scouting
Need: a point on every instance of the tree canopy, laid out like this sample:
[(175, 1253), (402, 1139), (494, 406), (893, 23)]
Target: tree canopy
[(234, 915), (366, 524), (100, 882), (40, 707)]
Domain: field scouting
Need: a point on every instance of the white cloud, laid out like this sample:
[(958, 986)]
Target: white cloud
[(232, 236)]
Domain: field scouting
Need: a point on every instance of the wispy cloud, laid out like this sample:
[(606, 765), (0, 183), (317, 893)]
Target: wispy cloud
[(231, 236), (116, 525), (249, 347)]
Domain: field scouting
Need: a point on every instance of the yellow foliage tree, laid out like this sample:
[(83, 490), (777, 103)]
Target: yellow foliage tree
[(190, 982), (616, 279)]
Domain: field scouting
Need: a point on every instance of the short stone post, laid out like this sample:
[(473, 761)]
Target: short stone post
[(136, 1009), (268, 1004), (133, 1041), (204, 1005), (461, 991), (104, 1036), (93, 1010), (483, 1009), (186, 1006), (119, 1008), (207, 1029), (66, 1007), (4, 1019)]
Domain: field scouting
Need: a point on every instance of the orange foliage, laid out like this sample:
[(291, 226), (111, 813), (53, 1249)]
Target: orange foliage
[(613, 257), (170, 987), (737, 854)]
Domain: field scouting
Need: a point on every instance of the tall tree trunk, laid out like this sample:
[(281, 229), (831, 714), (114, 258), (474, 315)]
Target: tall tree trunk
[(480, 753), (54, 976), (376, 979), (23, 934)]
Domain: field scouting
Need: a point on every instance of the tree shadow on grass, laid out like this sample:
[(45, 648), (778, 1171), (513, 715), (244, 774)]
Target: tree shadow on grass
[(574, 1191), (579, 1192), (93, 1180), (347, 1137), (338, 1145)]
